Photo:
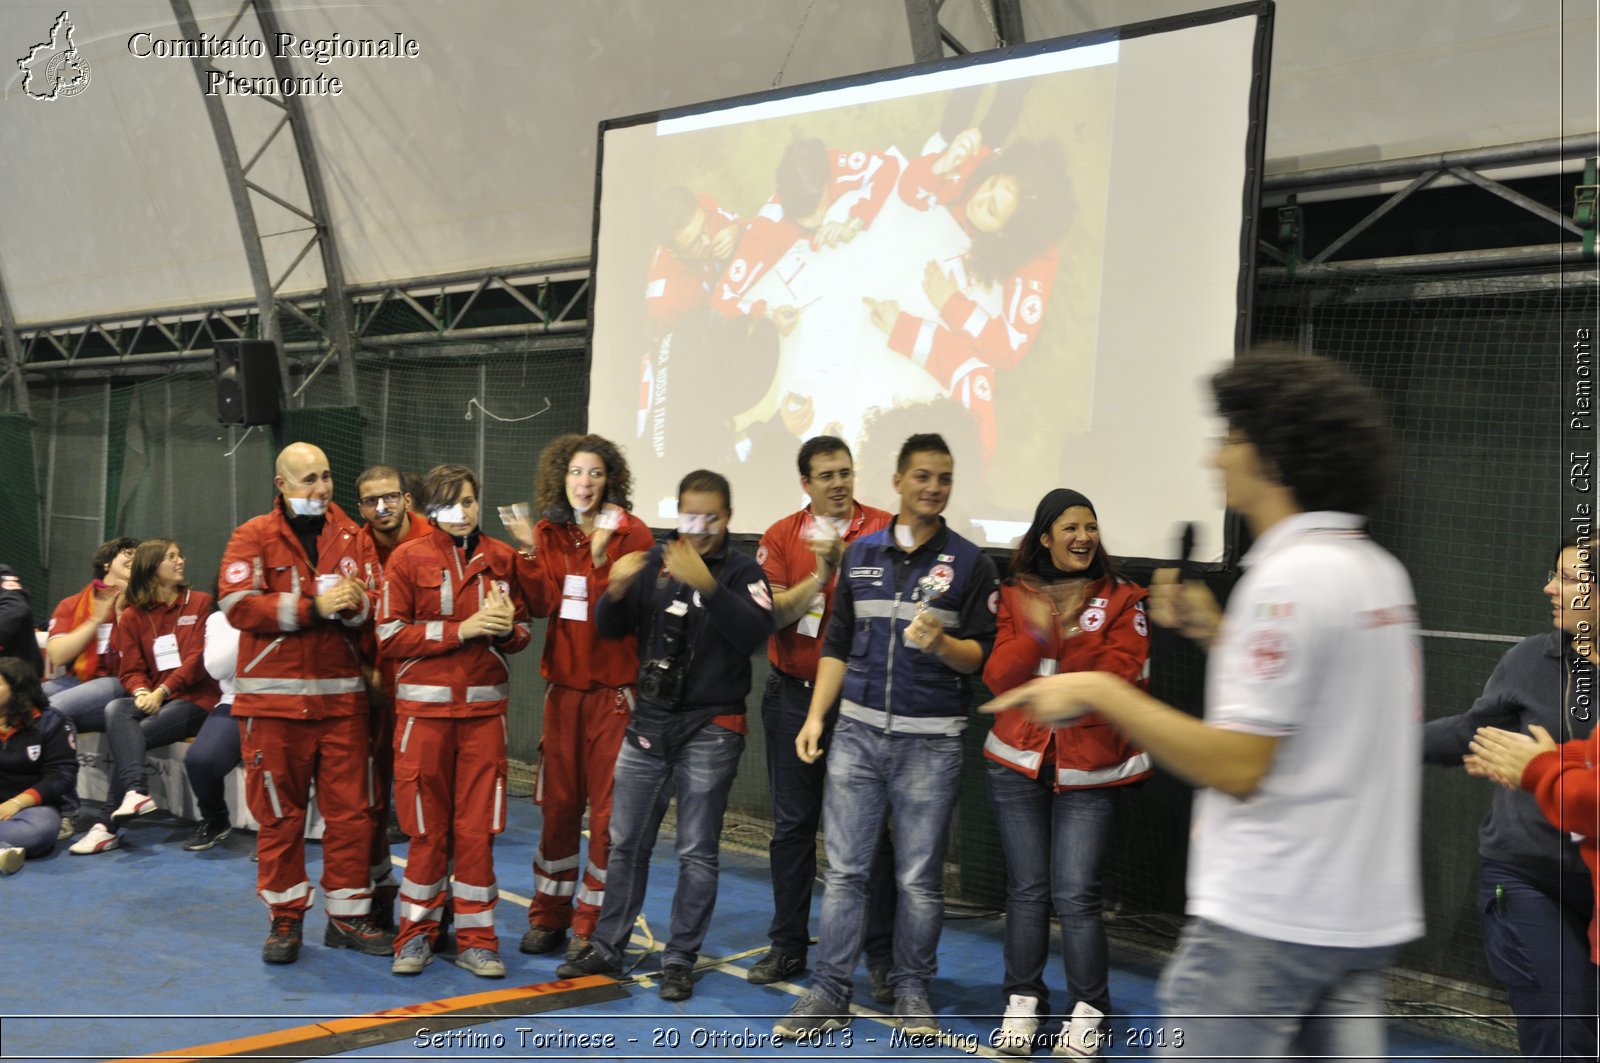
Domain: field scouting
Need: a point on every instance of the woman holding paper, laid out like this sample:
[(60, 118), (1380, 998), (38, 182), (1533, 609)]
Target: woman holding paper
[(160, 640), (582, 498), (1065, 608)]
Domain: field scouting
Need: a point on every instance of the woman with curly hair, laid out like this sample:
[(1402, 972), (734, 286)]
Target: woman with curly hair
[(160, 641), (582, 497), (1054, 789), (38, 764)]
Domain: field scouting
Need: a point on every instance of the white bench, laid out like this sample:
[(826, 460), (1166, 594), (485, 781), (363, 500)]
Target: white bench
[(169, 783)]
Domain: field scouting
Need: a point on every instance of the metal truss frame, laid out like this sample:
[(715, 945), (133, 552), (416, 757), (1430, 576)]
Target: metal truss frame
[(930, 38), (517, 308)]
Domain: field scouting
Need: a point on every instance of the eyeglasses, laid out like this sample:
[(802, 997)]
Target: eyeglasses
[(1553, 575), (392, 500)]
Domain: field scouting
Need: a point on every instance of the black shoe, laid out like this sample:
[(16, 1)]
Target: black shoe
[(283, 940), (775, 966), (589, 961), (882, 991), (207, 834), (361, 934), (542, 939), (677, 982), (383, 905)]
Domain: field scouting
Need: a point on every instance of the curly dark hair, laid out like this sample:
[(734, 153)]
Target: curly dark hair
[(26, 693), (107, 552), (550, 491), (1322, 432), (1044, 207)]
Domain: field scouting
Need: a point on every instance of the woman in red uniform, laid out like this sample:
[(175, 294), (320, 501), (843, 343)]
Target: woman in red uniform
[(1054, 789), (450, 612), (582, 495), (160, 640)]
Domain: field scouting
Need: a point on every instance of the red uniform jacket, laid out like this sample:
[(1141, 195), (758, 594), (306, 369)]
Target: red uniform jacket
[(428, 591), (858, 188), (135, 638), (786, 558), (417, 528), (91, 663), (1115, 639), (575, 656), (292, 663), (676, 287), (964, 331), (1566, 783)]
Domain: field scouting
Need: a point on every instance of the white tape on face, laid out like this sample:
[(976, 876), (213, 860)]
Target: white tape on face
[(451, 514), (691, 523)]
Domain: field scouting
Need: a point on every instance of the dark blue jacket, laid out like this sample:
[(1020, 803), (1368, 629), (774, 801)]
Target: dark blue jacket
[(721, 630), (1539, 680), (42, 756), (887, 684)]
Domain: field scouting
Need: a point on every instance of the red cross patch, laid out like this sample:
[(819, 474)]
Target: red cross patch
[(1269, 653)]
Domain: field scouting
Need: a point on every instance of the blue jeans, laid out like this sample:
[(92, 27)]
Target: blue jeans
[(33, 830), (215, 752), (1537, 942), (130, 734), (796, 812), (872, 776), (85, 705), (1055, 847), (701, 770), (1229, 995)]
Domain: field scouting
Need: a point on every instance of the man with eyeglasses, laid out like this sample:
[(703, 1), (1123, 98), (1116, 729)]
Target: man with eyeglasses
[(386, 506)]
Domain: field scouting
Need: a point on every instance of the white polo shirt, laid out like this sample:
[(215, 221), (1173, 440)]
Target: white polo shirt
[(1319, 649)]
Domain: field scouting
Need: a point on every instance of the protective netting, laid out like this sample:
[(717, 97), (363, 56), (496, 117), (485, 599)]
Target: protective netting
[(1476, 377)]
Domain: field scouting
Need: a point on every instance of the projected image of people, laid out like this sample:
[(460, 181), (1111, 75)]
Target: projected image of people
[(904, 252)]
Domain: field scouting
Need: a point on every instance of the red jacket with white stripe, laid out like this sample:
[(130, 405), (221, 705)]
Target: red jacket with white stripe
[(294, 664), (135, 638), (428, 590), (858, 187), (575, 656), (1115, 638)]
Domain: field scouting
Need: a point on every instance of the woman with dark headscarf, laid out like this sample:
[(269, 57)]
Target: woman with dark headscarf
[(1064, 609)]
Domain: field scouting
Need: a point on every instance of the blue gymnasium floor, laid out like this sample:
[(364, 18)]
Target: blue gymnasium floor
[(148, 951)]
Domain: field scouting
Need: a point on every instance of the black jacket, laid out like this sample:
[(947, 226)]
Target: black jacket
[(1539, 680), (17, 634), (42, 756)]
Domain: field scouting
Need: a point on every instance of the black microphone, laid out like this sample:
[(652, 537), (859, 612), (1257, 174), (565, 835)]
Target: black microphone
[(1185, 549)]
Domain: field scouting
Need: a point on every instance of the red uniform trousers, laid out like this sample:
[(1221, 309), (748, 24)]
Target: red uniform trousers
[(380, 719), (450, 793), (583, 732), (281, 759)]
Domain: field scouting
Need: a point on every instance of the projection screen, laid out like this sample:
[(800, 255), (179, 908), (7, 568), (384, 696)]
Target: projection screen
[(1039, 253)]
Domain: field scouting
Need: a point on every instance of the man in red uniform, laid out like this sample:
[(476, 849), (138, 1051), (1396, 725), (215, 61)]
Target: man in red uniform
[(800, 555), (386, 506), (293, 582), (451, 611), (696, 237)]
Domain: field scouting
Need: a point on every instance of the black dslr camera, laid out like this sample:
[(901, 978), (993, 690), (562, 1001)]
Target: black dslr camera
[(663, 680)]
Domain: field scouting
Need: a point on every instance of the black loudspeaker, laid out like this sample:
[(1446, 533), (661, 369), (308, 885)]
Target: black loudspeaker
[(247, 382)]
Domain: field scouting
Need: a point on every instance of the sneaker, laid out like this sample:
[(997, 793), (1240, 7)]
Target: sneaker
[(98, 840), (1015, 1036), (882, 991), (133, 804), (68, 829), (589, 961), (775, 966), (485, 963), (413, 956), (359, 933), (677, 982), (542, 939), (283, 940), (913, 1014), (11, 859), (811, 1014), (206, 835), (575, 946), (1082, 1038)]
